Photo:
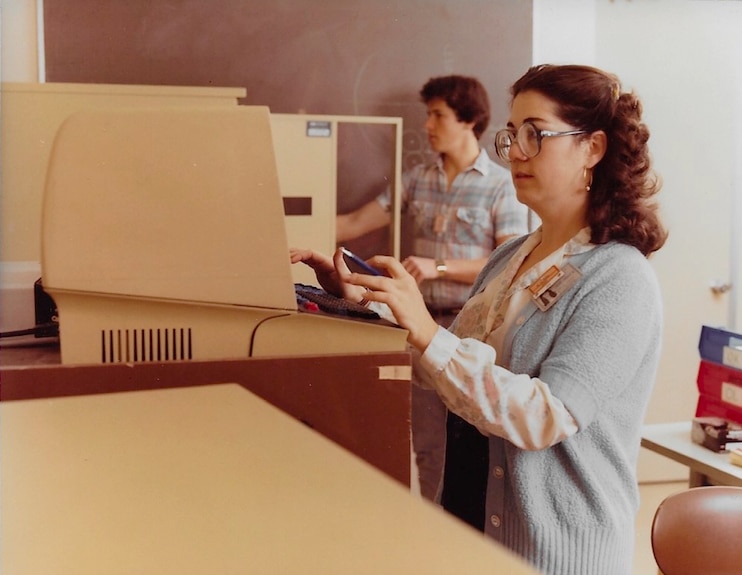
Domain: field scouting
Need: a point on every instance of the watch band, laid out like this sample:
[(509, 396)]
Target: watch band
[(442, 268)]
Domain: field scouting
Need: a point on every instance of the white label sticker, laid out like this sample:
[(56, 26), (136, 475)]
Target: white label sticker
[(395, 372), (731, 394), (319, 129), (732, 356)]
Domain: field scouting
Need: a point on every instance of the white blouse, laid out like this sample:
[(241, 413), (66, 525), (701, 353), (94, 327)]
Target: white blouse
[(464, 367)]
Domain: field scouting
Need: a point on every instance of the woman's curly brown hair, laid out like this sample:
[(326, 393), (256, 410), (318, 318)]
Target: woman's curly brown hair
[(621, 201)]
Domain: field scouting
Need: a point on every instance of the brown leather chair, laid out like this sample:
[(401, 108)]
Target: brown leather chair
[(699, 532)]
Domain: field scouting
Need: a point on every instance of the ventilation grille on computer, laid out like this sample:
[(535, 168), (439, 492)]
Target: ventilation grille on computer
[(139, 345)]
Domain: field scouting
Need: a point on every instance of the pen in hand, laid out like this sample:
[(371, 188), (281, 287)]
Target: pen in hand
[(360, 262)]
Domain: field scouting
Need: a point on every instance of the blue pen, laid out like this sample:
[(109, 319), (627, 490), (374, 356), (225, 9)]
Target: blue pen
[(359, 262)]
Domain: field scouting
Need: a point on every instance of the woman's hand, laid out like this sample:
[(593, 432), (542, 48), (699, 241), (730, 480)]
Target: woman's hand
[(328, 271), (397, 289)]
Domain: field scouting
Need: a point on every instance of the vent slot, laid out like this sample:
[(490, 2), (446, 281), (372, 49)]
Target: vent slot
[(141, 345)]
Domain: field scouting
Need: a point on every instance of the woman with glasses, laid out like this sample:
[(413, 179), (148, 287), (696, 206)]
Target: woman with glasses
[(553, 357)]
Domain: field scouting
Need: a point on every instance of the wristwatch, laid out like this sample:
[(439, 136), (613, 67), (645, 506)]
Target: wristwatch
[(441, 266)]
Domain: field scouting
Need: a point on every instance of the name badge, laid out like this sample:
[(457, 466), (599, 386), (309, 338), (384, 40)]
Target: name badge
[(440, 224), (546, 280), (552, 285)]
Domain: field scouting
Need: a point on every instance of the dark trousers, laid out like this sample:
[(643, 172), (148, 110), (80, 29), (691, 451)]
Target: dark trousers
[(465, 472), (467, 460)]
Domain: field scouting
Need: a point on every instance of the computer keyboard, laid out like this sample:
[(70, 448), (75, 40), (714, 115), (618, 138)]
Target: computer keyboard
[(329, 303)]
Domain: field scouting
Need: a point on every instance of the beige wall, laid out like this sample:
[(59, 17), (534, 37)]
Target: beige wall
[(18, 39), (684, 60)]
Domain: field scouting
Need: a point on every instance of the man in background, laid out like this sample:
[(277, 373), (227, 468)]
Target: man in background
[(462, 206)]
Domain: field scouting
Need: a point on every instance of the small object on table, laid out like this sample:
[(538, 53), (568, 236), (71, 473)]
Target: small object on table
[(735, 456), (715, 433)]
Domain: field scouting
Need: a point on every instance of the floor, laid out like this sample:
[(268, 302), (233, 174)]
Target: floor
[(651, 496)]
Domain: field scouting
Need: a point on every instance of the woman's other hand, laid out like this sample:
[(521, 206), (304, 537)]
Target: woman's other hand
[(329, 272)]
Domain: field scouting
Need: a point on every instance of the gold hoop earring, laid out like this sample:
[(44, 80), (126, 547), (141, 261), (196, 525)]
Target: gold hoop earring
[(587, 175)]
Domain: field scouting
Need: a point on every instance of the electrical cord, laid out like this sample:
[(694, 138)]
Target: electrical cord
[(50, 329)]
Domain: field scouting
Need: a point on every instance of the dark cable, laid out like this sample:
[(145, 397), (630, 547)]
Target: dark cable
[(39, 329)]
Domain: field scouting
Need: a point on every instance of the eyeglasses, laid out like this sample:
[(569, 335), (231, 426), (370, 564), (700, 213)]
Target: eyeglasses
[(529, 139)]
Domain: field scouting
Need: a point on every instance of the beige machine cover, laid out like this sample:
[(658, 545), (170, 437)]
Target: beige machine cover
[(163, 237)]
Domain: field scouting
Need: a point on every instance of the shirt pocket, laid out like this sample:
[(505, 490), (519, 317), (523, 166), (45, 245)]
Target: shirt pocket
[(473, 225)]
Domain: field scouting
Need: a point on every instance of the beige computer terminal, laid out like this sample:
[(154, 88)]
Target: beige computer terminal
[(163, 238)]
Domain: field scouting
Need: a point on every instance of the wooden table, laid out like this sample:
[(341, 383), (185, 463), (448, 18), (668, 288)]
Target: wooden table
[(340, 396), (706, 467), (190, 467)]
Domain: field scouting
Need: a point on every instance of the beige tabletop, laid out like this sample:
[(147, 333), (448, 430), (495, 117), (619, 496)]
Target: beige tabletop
[(208, 480)]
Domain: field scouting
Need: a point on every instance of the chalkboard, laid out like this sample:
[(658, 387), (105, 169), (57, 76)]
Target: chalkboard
[(347, 57)]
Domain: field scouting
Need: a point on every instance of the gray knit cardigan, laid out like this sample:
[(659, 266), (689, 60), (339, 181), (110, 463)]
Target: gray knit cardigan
[(570, 509)]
